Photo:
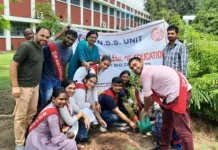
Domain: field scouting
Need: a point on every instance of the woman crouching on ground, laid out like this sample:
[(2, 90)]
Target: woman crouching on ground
[(84, 98), (45, 130), (77, 123)]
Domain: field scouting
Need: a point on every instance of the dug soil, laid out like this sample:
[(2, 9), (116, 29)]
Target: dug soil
[(205, 135)]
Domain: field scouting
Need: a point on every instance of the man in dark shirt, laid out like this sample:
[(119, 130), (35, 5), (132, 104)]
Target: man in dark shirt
[(25, 72), (112, 109), (28, 34), (49, 77)]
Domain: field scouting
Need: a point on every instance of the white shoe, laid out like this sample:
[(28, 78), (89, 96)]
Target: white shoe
[(123, 129), (103, 129), (123, 124), (19, 147)]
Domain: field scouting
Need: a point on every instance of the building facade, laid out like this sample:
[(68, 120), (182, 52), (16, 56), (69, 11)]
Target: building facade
[(101, 15), (188, 19)]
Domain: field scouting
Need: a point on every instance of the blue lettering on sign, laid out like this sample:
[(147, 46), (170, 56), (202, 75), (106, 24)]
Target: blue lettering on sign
[(133, 40), (116, 42), (118, 65), (108, 43), (100, 42), (126, 64), (147, 63)]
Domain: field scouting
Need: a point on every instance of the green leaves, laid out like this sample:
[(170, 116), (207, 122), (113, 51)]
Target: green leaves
[(163, 8), (5, 24), (1, 6), (202, 44), (206, 20), (203, 71), (49, 18)]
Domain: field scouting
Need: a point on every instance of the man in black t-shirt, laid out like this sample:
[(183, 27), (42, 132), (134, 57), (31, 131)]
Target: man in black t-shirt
[(112, 110)]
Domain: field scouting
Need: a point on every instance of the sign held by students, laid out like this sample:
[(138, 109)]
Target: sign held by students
[(146, 41)]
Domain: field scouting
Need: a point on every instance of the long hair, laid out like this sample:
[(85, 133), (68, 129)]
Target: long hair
[(65, 83), (90, 33), (55, 94), (129, 74), (89, 76)]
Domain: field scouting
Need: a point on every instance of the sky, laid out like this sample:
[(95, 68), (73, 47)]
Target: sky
[(137, 4)]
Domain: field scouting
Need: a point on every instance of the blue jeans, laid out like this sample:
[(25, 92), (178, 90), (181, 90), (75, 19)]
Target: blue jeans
[(156, 127), (46, 89), (110, 117), (82, 135)]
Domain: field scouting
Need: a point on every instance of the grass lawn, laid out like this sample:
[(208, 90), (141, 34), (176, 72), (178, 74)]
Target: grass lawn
[(5, 60), (7, 101)]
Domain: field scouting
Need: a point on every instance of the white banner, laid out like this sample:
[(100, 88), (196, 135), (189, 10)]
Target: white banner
[(146, 41)]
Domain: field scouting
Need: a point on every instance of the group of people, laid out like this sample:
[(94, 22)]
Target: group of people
[(57, 99)]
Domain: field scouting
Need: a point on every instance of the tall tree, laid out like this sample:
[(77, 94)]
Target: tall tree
[(182, 7), (207, 18), (203, 72)]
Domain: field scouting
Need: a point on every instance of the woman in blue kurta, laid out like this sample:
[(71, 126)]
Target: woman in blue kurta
[(85, 54)]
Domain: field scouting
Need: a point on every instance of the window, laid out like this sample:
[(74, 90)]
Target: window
[(104, 9), (96, 6), (64, 0), (118, 14), (131, 17), (1, 32), (18, 27), (136, 19), (87, 4), (123, 15), (111, 11), (127, 16), (139, 20), (75, 2)]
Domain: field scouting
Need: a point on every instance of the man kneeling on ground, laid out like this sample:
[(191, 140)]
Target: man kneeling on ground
[(112, 109)]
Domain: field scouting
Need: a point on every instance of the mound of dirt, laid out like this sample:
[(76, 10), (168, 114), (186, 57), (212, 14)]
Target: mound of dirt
[(119, 141)]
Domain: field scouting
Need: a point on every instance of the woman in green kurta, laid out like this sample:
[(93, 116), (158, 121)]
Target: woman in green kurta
[(85, 54)]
